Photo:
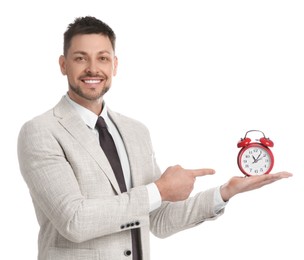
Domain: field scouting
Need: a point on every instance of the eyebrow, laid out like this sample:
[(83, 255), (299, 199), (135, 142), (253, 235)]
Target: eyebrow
[(84, 53)]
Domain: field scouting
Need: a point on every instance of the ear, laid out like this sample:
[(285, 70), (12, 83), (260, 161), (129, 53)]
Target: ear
[(62, 64), (115, 66)]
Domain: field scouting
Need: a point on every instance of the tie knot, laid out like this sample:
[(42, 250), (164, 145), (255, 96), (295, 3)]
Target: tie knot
[(101, 123)]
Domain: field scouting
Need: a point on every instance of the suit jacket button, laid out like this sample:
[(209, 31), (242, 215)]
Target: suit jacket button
[(127, 253), (122, 226)]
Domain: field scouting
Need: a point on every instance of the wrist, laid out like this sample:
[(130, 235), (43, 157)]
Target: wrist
[(160, 189), (226, 192)]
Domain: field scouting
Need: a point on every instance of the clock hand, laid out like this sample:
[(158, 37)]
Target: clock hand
[(259, 156)]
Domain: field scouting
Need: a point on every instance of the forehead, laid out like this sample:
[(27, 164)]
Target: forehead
[(91, 43)]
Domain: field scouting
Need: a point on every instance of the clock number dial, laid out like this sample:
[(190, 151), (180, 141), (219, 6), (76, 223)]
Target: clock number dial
[(255, 159)]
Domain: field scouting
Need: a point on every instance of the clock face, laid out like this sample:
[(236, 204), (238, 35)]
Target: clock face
[(255, 159)]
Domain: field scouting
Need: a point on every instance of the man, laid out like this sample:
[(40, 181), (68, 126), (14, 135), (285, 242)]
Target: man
[(84, 208)]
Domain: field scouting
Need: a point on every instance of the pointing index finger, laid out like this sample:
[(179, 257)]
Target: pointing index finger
[(202, 172)]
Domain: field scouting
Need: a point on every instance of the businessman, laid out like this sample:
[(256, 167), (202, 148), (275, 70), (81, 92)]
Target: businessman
[(91, 172)]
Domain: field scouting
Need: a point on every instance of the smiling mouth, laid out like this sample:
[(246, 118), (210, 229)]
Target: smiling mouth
[(92, 81)]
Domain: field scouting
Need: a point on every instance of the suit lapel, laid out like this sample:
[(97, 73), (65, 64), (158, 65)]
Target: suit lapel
[(71, 121), (129, 139)]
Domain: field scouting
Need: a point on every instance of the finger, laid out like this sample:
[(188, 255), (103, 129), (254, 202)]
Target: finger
[(270, 178), (283, 174), (276, 176), (202, 172)]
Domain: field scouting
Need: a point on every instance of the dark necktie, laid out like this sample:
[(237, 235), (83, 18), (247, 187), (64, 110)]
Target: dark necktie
[(108, 146)]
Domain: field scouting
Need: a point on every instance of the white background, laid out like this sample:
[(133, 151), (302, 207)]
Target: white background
[(210, 69)]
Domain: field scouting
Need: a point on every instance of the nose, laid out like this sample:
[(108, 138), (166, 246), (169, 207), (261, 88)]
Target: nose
[(92, 68)]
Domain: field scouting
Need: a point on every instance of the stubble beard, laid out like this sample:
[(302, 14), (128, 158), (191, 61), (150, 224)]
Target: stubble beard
[(92, 96)]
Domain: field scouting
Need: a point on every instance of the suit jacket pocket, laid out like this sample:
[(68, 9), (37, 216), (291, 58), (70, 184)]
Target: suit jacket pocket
[(56, 253)]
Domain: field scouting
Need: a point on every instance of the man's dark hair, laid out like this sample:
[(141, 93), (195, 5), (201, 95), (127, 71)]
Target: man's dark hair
[(87, 25)]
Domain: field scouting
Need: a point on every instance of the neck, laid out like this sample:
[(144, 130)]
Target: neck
[(93, 105)]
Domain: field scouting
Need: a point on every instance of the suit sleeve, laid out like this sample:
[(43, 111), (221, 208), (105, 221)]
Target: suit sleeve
[(56, 194), (173, 217)]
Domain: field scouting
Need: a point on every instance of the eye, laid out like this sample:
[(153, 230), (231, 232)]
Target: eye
[(79, 59), (104, 58)]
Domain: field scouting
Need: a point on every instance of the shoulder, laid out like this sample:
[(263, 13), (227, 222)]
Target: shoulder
[(130, 127), (42, 123), (35, 134), (49, 119), (38, 121), (126, 121)]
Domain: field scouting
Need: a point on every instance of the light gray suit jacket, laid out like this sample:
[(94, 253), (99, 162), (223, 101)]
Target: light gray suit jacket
[(80, 209)]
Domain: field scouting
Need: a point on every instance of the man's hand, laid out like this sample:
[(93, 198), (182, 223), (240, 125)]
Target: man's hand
[(242, 184), (177, 183)]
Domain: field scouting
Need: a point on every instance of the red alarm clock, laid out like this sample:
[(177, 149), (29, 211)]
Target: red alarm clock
[(255, 158)]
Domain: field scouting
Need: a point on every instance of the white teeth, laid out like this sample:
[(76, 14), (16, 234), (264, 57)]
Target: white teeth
[(92, 81)]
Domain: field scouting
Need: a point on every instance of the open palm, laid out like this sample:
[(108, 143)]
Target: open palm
[(242, 184)]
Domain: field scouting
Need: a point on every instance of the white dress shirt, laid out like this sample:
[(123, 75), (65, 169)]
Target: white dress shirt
[(90, 120)]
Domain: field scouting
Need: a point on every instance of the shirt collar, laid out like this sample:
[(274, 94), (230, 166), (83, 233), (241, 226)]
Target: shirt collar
[(87, 115)]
